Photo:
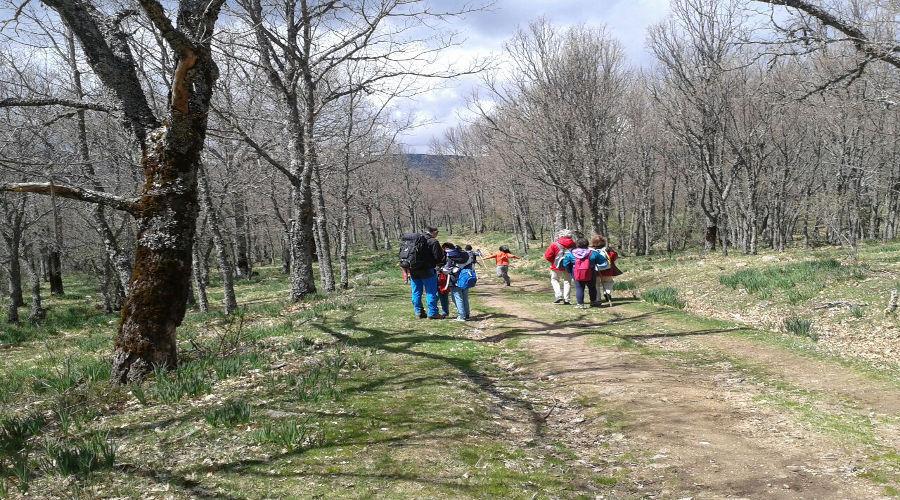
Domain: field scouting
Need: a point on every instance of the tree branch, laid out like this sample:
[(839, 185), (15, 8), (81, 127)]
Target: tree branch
[(52, 101), (75, 193), (157, 15), (110, 57), (861, 40)]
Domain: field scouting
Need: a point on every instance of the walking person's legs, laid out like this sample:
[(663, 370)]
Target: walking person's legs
[(579, 292), (465, 298), (503, 272), (444, 299), (607, 284), (417, 288), (458, 302), (557, 286), (567, 286), (592, 290), (431, 296)]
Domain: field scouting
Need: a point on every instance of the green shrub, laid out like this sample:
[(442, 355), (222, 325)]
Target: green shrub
[(666, 296), (82, 456), (292, 433), (857, 312), (801, 327), (229, 414)]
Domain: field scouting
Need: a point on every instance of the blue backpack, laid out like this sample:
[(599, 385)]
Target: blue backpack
[(466, 279)]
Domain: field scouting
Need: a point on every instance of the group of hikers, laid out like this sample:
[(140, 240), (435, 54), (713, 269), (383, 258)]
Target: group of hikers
[(437, 272)]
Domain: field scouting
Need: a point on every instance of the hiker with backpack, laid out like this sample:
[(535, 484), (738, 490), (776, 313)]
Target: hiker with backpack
[(605, 275), (560, 279), (581, 264), (460, 267), (502, 258), (420, 254)]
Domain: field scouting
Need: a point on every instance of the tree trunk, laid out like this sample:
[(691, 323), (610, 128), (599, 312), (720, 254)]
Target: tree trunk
[(200, 279), (244, 266), (228, 299), (37, 313), (344, 245), (711, 235), (159, 282), (54, 264), (302, 226), (15, 269)]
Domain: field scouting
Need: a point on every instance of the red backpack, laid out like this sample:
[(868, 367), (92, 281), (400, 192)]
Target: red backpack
[(583, 270)]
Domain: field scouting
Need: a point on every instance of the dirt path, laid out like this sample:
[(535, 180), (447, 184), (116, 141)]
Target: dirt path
[(679, 430)]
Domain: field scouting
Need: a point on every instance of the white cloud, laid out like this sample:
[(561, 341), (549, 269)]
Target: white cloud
[(486, 32)]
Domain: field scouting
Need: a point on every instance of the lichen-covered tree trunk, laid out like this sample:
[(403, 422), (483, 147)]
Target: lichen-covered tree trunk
[(162, 261), (303, 281), (344, 245), (302, 228), (323, 240)]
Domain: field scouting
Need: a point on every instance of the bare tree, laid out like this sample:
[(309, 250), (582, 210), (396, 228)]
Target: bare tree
[(170, 149)]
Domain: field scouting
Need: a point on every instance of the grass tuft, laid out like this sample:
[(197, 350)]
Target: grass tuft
[(229, 414), (292, 433), (802, 327), (82, 456), (666, 296)]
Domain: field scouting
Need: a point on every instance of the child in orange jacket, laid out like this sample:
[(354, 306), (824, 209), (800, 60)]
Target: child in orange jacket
[(502, 258)]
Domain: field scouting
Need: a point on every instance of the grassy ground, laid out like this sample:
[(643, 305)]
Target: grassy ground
[(347, 394), (340, 395)]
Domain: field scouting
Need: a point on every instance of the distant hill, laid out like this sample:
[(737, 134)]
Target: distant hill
[(432, 165)]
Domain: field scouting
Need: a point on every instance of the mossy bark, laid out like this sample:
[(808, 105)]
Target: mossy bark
[(166, 215)]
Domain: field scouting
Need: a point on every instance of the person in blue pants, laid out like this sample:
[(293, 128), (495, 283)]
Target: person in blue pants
[(423, 280), (428, 287), (463, 260)]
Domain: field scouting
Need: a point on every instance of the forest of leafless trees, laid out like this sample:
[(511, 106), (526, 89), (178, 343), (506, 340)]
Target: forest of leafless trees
[(155, 145)]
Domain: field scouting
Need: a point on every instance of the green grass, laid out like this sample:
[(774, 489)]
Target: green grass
[(799, 281), (229, 414), (305, 395), (82, 456), (801, 327), (665, 296)]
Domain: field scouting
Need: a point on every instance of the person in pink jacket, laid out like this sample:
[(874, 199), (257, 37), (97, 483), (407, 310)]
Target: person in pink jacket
[(559, 277)]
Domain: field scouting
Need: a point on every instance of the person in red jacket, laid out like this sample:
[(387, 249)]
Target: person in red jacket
[(559, 277)]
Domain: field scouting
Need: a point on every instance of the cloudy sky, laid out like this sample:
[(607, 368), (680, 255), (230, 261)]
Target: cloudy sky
[(485, 32)]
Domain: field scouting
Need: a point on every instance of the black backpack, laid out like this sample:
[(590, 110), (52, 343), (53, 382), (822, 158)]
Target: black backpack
[(414, 251)]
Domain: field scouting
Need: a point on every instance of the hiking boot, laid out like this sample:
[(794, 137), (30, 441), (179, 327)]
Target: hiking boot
[(567, 303), (422, 315), (439, 316), (558, 301)]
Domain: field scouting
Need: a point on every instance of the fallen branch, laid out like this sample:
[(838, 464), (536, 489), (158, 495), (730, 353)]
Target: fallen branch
[(69, 103), (839, 303), (74, 193)]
